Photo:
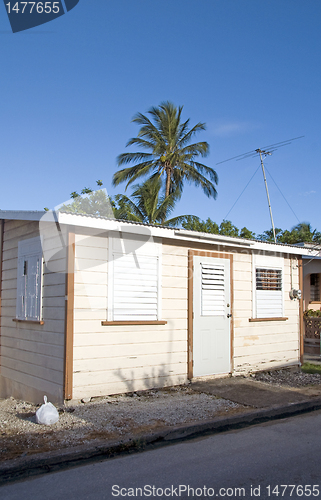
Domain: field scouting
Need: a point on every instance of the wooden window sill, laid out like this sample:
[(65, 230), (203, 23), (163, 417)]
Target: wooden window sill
[(254, 320), (141, 322), (31, 321)]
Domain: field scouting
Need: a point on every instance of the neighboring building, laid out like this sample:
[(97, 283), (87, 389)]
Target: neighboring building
[(93, 306), (311, 275)]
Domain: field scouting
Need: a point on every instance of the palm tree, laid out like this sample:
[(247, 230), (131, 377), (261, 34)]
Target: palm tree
[(148, 207), (170, 153)]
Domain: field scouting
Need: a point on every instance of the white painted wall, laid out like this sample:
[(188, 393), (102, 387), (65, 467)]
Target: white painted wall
[(32, 355), (116, 359), (266, 344)]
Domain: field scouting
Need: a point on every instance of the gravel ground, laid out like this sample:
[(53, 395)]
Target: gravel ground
[(111, 418), (289, 378), (121, 417)]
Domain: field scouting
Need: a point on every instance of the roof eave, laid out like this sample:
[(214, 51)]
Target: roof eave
[(150, 230)]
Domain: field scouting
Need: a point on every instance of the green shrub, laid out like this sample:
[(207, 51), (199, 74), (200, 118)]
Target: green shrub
[(310, 313), (310, 368)]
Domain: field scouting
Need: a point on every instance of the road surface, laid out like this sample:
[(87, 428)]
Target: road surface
[(280, 459)]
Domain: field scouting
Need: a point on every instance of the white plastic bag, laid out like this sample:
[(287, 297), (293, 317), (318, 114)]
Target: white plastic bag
[(47, 414)]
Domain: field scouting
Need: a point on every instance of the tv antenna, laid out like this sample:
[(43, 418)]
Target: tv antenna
[(264, 152)]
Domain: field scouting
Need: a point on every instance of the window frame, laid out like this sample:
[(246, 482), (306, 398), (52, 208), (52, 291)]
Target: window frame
[(269, 263), (28, 249), (151, 248), (316, 288)]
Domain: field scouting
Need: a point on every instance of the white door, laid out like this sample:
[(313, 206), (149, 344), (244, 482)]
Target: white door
[(211, 316)]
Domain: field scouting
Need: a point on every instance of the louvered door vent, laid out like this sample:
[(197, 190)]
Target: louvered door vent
[(213, 290)]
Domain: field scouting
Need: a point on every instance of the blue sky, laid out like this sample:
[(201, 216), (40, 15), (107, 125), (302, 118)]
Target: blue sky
[(249, 69)]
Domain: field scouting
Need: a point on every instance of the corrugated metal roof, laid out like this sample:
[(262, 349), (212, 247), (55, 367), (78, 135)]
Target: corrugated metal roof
[(93, 216), (175, 228), (37, 215)]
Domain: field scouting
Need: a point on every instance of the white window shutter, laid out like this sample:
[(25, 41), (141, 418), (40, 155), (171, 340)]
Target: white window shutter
[(135, 287), (269, 304), (213, 290), (269, 293), (32, 288), (29, 279), (21, 290)]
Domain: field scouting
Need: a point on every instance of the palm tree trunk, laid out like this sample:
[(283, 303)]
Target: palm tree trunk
[(168, 178), (168, 168)]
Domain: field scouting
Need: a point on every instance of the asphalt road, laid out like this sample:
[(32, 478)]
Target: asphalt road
[(246, 463)]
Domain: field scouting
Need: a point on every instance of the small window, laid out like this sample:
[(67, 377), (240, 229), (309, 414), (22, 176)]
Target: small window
[(133, 281), (314, 288), (269, 296), (29, 280)]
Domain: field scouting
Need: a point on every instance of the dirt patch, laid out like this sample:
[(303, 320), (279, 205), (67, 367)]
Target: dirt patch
[(111, 418), (123, 417)]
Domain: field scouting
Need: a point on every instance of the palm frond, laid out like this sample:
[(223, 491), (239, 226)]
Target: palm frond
[(141, 142), (199, 148), (210, 172), (132, 173), (175, 221), (188, 135), (192, 175), (125, 158), (148, 128), (127, 210)]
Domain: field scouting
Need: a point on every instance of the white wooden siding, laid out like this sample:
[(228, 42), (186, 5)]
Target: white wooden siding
[(32, 355), (267, 344), (114, 359)]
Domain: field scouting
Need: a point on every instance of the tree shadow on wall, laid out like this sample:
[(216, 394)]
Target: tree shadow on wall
[(156, 378), (153, 376)]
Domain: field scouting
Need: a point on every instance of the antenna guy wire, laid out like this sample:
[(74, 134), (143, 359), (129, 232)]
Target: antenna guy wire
[(241, 193), (283, 195)]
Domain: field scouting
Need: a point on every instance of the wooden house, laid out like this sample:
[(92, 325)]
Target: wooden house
[(93, 306)]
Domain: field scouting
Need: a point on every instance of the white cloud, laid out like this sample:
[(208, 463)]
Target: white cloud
[(308, 193), (230, 128)]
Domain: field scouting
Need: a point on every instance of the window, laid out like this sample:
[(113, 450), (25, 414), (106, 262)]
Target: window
[(267, 286), (29, 280), (314, 288), (269, 297), (213, 290), (133, 281)]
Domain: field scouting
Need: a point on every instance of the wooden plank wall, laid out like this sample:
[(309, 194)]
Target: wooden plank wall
[(114, 359), (1, 251), (124, 358), (266, 344), (32, 355)]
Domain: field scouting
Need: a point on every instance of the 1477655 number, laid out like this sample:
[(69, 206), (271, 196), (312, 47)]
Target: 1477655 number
[(33, 7), (293, 489)]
